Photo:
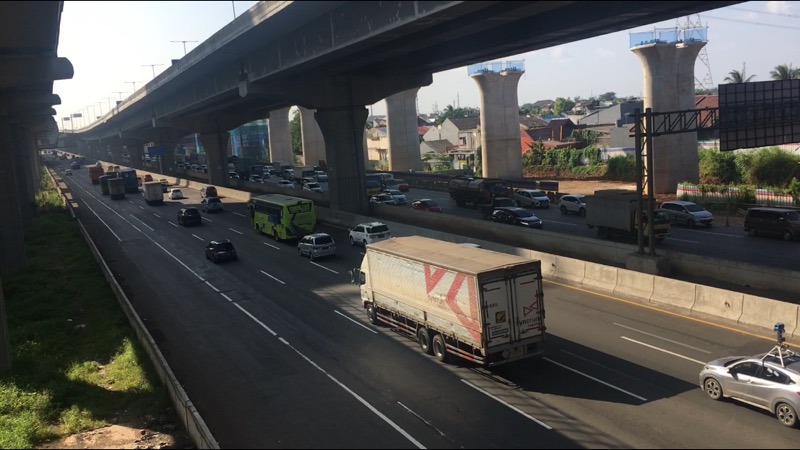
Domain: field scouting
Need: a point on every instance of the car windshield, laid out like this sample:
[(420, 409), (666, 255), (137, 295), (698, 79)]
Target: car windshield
[(312, 185), (225, 246), (214, 200), (793, 216), (693, 207), (429, 203), (522, 213), (324, 240), (538, 194), (192, 212), (379, 229)]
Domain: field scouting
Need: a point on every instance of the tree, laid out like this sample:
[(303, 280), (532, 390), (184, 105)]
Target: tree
[(734, 76), (563, 105), (608, 96), (294, 132), (451, 112), (784, 72)]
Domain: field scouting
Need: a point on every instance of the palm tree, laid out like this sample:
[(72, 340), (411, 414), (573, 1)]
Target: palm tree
[(784, 72), (734, 76)]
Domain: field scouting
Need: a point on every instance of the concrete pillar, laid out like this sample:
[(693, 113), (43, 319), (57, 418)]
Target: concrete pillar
[(216, 147), (25, 148), (402, 120), (12, 237), (137, 155), (116, 154), (669, 86), (500, 144), (280, 139), (5, 346), (313, 142), (343, 129)]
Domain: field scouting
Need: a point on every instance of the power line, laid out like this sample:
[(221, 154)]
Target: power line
[(762, 12), (749, 22)]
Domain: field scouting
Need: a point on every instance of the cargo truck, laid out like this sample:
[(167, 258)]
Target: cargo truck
[(482, 193), (116, 188), (153, 192), (95, 172), (456, 301), (283, 170), (301, 172), (613, 211)]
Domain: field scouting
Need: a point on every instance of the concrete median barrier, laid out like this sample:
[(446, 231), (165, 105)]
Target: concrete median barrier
[(765, 312), (598, 276), (634, 284), (671, 292), (718, 302), (570, 270)]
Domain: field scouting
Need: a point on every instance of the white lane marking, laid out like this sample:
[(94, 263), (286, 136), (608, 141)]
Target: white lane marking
[(514, 408), (141, 207), (239, 214), (198, 237), (561, 223), (715, 234), (663, 350), (596, 379), (356, 396), (682, 240), (238, 232), (156, 215), (425, 421), (273, 246), (662, 338), (173, 224), (356, 322), (140, 221), (279, 281), (212, 286), (101, 220), (319, 265), (262, 324)]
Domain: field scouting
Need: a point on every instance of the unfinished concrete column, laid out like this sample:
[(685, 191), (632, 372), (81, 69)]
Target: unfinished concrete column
[(116, 154), (500, 144), (343, 130), (12, 236), (669, 86), (280, 139), (313, 142), (402, 121)]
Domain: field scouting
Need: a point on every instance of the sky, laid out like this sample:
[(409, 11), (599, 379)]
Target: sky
[(116, 46)]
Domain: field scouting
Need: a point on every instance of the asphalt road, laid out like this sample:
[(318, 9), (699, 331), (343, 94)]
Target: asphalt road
[(275, 351)]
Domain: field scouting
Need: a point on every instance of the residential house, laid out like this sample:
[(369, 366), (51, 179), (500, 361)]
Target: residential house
[(544, 106), (708, 133), (377, 141)]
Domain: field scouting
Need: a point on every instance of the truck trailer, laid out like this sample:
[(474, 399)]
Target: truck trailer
[(456, 301), (482, 193), (613, 211), (116, 188)]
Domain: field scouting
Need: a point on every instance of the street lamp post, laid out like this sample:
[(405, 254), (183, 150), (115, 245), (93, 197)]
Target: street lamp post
[(99, 107), (109, 102), (134, 84), (184, 45), (120, 94), (153, 67)]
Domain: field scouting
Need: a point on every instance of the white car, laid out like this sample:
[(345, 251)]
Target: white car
[(573, 203), (286, 184), (369, 232), (530, 198), (312, 187), (175, 194), (399, 197), (687, 213)]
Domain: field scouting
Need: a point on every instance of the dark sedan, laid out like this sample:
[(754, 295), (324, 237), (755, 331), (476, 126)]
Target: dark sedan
[(223, 250), (516, 216), (426, 204)]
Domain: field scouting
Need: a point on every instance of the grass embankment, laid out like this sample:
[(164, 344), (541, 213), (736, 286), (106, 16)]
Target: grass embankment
[(76, 363)]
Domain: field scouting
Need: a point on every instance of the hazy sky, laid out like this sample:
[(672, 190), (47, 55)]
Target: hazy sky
[(112, 44)]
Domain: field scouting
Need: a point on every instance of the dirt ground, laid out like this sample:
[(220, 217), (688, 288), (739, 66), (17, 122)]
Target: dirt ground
[(123, 436)]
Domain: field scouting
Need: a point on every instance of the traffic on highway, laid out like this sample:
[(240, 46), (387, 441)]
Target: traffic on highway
[(275, 349)]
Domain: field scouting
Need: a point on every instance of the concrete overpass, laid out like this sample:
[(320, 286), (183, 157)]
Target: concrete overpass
[(337, 57)]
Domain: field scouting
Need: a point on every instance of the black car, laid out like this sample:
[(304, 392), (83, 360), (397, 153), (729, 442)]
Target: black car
[(223, 250), (189, 216), (516, 216)]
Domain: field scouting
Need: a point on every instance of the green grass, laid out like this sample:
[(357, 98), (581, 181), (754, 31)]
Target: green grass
[(76, 363)]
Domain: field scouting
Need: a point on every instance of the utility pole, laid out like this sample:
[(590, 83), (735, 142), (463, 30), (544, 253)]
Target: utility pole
[(153, 67), (184, 45)]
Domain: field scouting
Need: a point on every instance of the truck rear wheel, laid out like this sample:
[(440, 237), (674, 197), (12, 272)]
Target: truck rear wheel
[(424, 340), (372, 314), (439, 348)]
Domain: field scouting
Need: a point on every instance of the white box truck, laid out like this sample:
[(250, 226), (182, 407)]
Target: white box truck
[(484, 306), (153, 192)]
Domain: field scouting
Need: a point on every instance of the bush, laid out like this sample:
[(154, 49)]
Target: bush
[(773, 167), (622, 168)]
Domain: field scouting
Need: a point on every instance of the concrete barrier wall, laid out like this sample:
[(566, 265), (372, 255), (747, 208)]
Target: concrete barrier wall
[(571, 271), (760, 311), (678, 293), (634, 285), (600, 277), (719, 303)]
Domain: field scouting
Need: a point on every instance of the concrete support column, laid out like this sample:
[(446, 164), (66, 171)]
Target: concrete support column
[(5, 346), (12, 236), (137, 155), (500, 144), (669, 86), (280, 139), (26, 152), (313, 142), (216, 147), (116, 154), (343, 129), (401, 115)]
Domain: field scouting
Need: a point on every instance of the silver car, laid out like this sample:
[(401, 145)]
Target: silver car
[(687, 213), (211, 204), (316, 245), (760, 380)]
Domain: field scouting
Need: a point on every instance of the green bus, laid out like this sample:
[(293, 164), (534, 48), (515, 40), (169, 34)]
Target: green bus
[(282, 216)]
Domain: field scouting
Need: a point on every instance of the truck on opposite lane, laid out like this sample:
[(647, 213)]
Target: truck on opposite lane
[(153, 192), (480, 305)]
